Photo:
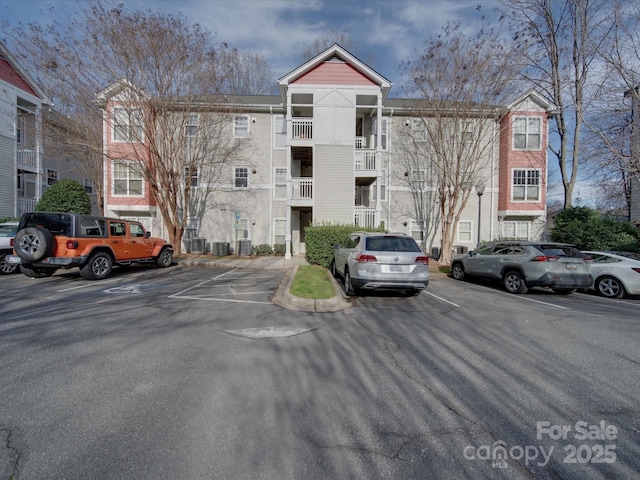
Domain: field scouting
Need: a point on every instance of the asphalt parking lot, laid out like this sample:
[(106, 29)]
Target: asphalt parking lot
[(192, 372)]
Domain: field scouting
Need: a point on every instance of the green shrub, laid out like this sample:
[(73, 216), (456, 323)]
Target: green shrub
[(262, 250), (588, 230), (279, 249), (67, 196), (320, 240)]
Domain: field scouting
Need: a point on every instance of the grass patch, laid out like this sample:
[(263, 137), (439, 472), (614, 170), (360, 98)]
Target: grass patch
[(312, 281)]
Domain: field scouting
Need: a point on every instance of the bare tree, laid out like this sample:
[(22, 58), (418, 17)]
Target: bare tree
[(330, 37), (563, 40), (246, 73), (459, 82), (160, 79)]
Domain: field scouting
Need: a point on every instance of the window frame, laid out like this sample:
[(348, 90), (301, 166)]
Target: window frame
[(526, 185), (236, 178), (527, 133), (516, 224), (129, 168), (279, 182), (247, 117), (460, 232), (282, 134), (133, 119), (52, 176), (279, 230)]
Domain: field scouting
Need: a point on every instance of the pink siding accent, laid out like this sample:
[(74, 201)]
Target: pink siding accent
[(334, 73), (510, 159), (10, 75)]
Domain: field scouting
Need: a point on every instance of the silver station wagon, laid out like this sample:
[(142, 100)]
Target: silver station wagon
[(522, 265), (369, 261)]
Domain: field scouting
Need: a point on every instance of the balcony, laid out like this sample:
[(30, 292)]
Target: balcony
[(366, 217), (301, 190), (27, 157), (365, 160), (302, 128)]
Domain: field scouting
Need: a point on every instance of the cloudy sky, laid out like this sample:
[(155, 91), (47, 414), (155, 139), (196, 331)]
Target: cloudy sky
[(384, 33)]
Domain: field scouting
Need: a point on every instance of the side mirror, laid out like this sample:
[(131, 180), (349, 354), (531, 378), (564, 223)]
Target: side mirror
[(147, 234), (471, 253)]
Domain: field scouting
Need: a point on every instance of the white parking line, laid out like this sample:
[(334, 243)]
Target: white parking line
[(442, 299), (196, 297), (86, 285), (543, 303), (202, 283), (515, 296)]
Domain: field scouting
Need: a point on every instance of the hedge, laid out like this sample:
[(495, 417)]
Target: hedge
[(319, 241)]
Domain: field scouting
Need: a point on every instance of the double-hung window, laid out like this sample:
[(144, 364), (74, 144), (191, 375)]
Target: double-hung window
[(526, 185), (191, 128), (418, 180), (127, 179), (464, 231), (280, 189), (52, 176), (241, 176), (191, 176), (280, 127), (241, 126), (279, 230), (127, 125), (527, 133), (515, 230)]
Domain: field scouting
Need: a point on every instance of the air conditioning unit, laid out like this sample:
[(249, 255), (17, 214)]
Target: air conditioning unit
[(197, 246)]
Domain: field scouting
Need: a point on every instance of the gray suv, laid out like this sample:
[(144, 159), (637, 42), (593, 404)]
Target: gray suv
[(521, 265)]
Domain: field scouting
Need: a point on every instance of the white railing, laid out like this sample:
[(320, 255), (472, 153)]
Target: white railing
[(365, 217), (27, 156), (365, 159), (302, 127), (361, 142), (301, 188), (26, 205)]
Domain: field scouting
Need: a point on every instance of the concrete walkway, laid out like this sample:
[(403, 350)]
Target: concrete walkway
[(283, 296)]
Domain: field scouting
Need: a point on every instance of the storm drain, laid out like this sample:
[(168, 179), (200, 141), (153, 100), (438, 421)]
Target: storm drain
[(270, 332)]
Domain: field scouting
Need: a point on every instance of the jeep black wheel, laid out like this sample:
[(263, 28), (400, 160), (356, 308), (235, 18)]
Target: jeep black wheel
[(33, 244), (5, 267), (35, 272), (514, 283), (98, 267), (165, 258)]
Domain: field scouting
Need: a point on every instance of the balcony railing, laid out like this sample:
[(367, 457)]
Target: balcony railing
[(26, 205), (301, 188), (302, 127), (365, 159), (365, 217), (27, 156)]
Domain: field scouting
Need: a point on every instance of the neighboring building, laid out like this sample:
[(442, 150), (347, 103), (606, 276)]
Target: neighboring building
[(634, 164), (22, 174), (26, 118), (328, 149)]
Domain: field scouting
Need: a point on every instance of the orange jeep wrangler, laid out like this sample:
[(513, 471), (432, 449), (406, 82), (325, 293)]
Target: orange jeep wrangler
[(46, 242)]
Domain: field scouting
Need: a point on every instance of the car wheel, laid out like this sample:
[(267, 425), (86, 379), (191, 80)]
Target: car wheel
[(457, 271), (564, 291), (5, 267), (334, 271), (33, 244), (98, 267), (165, 258), (37, 272), (514, 283), (609, 287), (348, 287)]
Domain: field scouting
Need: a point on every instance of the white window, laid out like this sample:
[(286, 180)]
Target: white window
[(280, 131), (527, 133), (88, 185), (127, 179), (127, 125), (241, 176), (526, 185), (191, 128), (418, 130), (515, 230), (384, 134), (280, 180), (468, 129), (464, 231), (241, 227), (52, 176), (418, 180), (383, 186), (279, 231), (241, 126), (191, 175), (416, 231)]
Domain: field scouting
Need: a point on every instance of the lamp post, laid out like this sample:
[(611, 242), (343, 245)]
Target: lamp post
[(479, 191)]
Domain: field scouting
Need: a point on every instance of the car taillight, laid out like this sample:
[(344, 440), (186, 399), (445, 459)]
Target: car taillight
[(587, 259), (361, 258), (423, 260), (544, 258), (11, 242), (637, 270), (71, 245)]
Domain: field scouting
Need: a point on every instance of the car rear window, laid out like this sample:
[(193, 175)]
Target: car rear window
[(560, 251), (56, 223), (391, 244), (8, 230)]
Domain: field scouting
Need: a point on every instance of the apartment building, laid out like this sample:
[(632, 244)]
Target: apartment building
[(331, 148)]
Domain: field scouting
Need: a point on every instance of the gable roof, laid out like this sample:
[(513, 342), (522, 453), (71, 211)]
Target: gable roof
[(536, 97), (335, 54), (12, 72)]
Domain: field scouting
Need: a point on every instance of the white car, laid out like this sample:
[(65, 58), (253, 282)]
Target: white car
[(615, 273), (7, 233)]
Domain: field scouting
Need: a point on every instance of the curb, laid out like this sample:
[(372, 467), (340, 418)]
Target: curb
[(285, 299)]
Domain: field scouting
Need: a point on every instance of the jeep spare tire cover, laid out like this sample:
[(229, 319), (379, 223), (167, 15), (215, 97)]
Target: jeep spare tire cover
[(33, 244)]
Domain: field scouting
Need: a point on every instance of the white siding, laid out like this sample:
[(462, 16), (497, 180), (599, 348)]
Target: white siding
[(333, 184)]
